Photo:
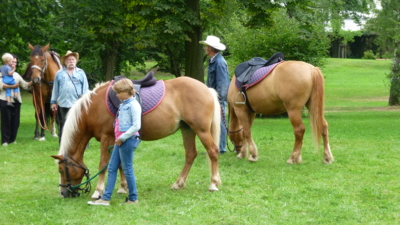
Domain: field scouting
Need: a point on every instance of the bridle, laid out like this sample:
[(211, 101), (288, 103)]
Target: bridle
[(75, 189), (39, 81), (235, 147)]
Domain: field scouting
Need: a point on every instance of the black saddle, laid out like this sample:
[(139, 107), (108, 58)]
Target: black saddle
[(245, 70), (146, 81)]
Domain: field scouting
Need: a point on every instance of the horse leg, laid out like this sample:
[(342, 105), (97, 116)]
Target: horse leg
[(53, 127), (249, 146), (212, 157), (189, 143), (328, 157), (299, 129), (42, 135), (36, 137)]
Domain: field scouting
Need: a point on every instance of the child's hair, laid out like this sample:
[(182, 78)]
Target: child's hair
[(7, 57), (124, 85)]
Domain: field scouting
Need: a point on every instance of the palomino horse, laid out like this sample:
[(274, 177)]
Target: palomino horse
[(288, 88), (43, 68), (187, 105)]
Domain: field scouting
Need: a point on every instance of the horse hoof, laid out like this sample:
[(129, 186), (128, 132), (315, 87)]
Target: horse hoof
[(327, 161), (42, 139), (213, 188), (239, 156), (121, 191), (55, 135), (176, 186), (96, 195), (253, 159)]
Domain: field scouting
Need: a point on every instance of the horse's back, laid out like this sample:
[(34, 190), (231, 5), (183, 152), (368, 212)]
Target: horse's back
[(185, 101)]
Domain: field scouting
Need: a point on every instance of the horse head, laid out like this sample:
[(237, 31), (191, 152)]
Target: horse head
[(71, 174), (39, 62)]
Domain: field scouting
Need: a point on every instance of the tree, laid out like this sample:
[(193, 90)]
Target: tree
[(387, 25)]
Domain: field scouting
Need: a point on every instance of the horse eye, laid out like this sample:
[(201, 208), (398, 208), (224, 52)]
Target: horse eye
[(61, 171)]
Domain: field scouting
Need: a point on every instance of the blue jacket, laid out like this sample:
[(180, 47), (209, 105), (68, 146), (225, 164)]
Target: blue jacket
[(64, 91), (130, 118), (218, 77)]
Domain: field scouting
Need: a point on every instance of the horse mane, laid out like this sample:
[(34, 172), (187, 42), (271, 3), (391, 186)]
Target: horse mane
[(28, 72), (74, 115)]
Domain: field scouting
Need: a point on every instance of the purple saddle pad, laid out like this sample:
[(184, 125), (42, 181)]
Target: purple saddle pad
[(151, 97)]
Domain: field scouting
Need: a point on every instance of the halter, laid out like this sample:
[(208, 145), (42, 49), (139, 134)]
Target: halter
[(42, 70), (75, 189)]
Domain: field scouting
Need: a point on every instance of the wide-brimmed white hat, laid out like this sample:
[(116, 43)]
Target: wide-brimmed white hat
[(213, 42), (68, 54)]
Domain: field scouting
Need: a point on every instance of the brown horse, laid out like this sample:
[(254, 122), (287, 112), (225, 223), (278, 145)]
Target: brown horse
[(188, 105), (42, 71), (288, 88)]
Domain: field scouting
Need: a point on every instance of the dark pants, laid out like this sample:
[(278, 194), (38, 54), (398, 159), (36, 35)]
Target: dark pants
[(10, 120), (62, 115)]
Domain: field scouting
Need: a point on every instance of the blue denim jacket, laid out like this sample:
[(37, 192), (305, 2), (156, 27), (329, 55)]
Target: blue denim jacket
[(130, 118), (218, 77)]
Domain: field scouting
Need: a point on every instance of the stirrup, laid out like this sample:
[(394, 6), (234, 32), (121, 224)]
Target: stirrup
[(244, 96)]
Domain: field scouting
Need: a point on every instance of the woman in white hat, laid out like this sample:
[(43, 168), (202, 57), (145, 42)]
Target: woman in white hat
[(69, 84), (218, 78)]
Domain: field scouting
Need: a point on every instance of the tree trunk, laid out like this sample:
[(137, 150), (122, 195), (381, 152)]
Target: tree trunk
[(394, 98), (193, 50), (110, 60)]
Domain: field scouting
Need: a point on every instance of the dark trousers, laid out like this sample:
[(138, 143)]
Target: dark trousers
[(10, 120), (62, 115)]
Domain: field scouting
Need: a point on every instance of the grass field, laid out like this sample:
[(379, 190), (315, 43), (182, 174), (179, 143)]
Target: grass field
[(360, 187)]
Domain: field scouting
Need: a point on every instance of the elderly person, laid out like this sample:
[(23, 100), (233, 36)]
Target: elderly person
[(218, 78), (10, 116), (69, 85)]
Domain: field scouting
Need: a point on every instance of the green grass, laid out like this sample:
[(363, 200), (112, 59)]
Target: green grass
[(360, 187)]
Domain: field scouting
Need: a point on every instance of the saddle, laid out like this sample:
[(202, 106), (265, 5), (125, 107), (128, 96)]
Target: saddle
[(147, 81), (245, 70)]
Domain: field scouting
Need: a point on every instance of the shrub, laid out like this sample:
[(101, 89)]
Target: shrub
[(369, 55)]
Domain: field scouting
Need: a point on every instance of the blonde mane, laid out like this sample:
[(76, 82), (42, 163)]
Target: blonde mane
[(73, 117)]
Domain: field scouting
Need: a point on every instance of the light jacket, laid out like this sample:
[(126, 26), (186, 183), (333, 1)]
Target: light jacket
[(130, 118), (64, 91)]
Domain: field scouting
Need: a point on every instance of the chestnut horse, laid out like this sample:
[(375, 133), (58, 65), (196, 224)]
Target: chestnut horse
[(43, 68), (289, 87), (188, 105)]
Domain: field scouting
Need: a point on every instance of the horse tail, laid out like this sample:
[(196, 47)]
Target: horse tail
[(216, 120), (316, 105)]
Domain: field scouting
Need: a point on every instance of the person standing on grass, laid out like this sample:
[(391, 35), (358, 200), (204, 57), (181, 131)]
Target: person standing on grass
[(10, 116), (218, 78), (69, 84), (126, 128)]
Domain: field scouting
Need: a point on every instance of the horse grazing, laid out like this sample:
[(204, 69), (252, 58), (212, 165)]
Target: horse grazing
[(289, 87), (187, 105), (42, 70)]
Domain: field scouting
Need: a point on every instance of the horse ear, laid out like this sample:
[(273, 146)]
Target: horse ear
[(58, 157), (46, 47), (30, 46)]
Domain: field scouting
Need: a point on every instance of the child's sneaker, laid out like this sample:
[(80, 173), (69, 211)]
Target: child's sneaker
[(99, 202), (9, 104), (128, 202)]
